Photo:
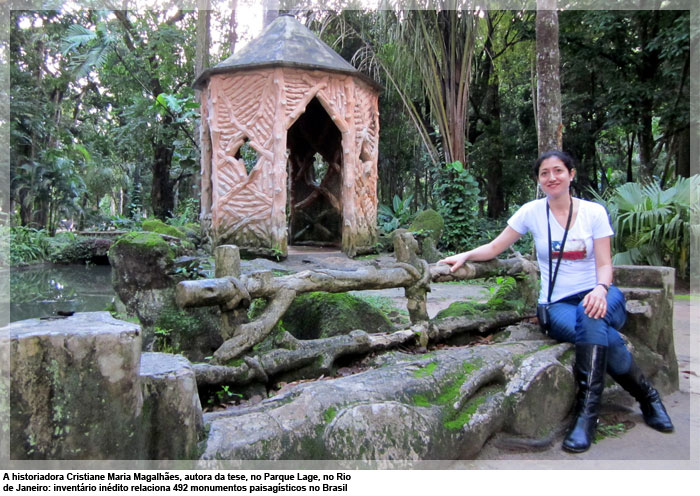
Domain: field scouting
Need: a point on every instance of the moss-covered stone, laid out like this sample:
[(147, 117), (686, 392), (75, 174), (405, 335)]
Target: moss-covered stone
[(81, 250), (429, 252), (329, 414), (321, 315), (462, 309), (465, 415), (160, 227), (505, 296), (144, 242), (144, 277), (141, 260), (428, 221), (426, 371), (193, 332)]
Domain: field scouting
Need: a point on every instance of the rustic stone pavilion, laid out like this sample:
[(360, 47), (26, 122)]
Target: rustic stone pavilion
[(289, 139)]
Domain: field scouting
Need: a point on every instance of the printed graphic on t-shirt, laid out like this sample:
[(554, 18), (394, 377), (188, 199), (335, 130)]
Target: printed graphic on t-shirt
[(574, 249)]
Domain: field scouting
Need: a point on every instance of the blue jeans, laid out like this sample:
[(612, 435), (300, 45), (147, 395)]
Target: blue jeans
[(570, 323)]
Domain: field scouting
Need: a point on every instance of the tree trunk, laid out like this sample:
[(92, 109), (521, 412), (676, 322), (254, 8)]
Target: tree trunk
[(683, 153), (549, 123), (455, 86), (495, 195), (162, 198), (232, 28), (487, 95), (201, 61), (630, 154), (647, 70), (271, 11), (646, 140)]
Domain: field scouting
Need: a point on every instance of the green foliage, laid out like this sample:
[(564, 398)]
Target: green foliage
[(249, 156), (428, 222), (71, 249), (122, 223), (187, 212), (160, 227), (162, 342), (456, 195), (652, 225), (28, 245), (195, 268), (502, 294), (174, 328), (103, 114), (395, 216), (609, 430), (222, 396), (103, 110), (99, 43), (225, 394)]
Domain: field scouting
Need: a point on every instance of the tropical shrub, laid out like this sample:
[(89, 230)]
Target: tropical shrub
[(653, 225), (456, 194), (395, 216), (28, 245)]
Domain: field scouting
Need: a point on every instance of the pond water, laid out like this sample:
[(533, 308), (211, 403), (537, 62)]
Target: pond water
[(44, 290)]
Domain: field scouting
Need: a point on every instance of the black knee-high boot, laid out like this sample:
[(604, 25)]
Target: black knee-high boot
[(589, 372), (653, 411)]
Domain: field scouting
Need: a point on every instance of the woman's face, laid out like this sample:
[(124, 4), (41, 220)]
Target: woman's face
[(554, 178)]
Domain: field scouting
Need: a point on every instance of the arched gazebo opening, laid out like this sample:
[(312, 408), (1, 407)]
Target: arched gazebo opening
[(314, 179)]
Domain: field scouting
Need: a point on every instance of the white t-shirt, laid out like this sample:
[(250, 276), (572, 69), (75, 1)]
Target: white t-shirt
[(577, 271)]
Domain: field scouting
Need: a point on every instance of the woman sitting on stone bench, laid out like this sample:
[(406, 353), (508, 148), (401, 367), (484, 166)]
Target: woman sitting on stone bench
[(573, 252)]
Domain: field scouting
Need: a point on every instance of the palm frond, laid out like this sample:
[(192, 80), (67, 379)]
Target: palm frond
[(653, 226), (76, 36)]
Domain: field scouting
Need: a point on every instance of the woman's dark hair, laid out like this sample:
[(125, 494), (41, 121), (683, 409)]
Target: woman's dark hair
[(564, 157)]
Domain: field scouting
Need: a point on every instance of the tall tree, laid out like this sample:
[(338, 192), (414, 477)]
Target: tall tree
[(201, 60), (503, 31), (549, 122), (45, 164), (271, 9), (442, 45), (232, 27), (146, 61), (636, 105)]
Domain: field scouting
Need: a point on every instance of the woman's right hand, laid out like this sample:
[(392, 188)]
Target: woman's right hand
[(484, 252), (456, 261)]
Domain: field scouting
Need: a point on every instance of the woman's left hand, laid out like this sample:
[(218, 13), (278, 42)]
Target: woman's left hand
[(595, 303)]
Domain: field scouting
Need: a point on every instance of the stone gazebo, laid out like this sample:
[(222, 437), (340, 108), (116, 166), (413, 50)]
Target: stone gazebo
[(289, 136)]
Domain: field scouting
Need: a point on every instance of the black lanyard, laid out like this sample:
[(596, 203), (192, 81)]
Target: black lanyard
[(561, 250)]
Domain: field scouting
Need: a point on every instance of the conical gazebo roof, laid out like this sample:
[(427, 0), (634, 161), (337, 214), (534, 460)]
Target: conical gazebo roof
[(285, 42)]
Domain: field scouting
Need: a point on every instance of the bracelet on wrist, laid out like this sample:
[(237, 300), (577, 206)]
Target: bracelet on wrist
[(606, 286)]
